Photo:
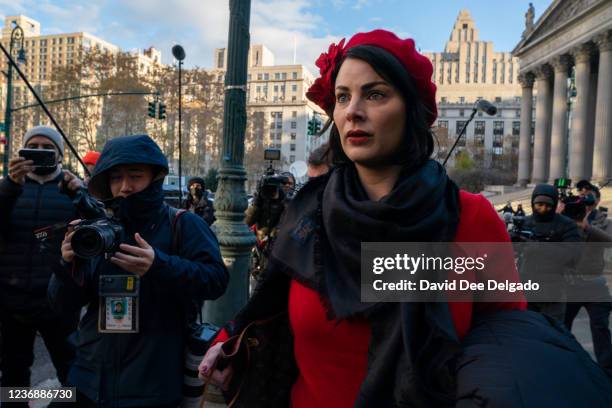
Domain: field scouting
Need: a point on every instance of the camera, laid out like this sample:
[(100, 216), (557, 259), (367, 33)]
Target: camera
[(93, 238), (270, 186), (575, 206), (99, 233)]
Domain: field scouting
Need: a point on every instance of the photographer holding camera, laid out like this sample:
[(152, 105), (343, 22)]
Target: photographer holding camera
[(545, 225), (159, 264), (590, 282), (263, 216), (198, 202), (30, 199)]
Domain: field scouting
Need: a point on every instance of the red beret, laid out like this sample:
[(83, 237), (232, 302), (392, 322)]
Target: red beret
[(91, 158), (418, 66)]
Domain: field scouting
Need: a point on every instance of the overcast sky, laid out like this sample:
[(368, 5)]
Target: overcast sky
[(201, 25)]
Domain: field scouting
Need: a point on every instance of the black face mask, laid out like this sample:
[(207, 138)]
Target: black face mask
[(43, 171), (139, 207), (196, 192)]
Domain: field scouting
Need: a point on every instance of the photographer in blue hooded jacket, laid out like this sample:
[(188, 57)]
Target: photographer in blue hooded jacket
[(135, 358)]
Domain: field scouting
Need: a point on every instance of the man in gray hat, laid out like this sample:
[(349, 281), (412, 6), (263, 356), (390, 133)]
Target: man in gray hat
[(30, 199)]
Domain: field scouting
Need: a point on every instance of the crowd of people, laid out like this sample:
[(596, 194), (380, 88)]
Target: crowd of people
[(113, 295)]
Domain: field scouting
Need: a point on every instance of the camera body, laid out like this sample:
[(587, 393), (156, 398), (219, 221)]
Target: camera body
[(270, 185), (97, 237), (521, 233), (98, 234), (575, 207)]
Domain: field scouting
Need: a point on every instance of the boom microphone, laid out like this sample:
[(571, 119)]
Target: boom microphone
[(487, 107)]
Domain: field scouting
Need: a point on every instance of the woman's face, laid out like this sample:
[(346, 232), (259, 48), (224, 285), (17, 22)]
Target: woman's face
[(370, 114)]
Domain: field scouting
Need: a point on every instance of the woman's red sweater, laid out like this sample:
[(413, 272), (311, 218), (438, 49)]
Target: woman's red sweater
[(332, 357)]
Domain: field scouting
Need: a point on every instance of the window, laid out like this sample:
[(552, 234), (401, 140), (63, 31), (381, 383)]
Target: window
[(293, 136), (516, 128), (461, 100), (443, 112), (498, 99), (293, 98), (294, 75), (294, 88), (443, 100), (291, 158), (279, 145), (220, 58), (266, 77), (293, 125), (258, 89), (479, 127), (498, 141), (461, 112), (498, 127), (459, 126), (294, 114), (277, 75), (517, 113), (292, 147), (443, 124), (275, 88), (259, 77), (284, 75), (70, 40), (279, 136)]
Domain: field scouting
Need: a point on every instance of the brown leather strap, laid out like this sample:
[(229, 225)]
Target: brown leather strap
[(238, 341)]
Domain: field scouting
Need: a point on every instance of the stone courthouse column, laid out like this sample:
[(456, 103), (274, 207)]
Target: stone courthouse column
[(602, 160), (524, 165)]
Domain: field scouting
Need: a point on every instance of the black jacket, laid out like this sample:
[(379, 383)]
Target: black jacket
[(25, 264), (551, 263), (146, 368), (204, 208)]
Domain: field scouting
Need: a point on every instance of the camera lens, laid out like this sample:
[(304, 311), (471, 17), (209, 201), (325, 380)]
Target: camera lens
[(87, 242)]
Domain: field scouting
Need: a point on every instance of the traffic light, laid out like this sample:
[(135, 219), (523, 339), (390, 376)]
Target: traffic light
[(317, 126), (311, 127), (162, 111), (152, 109)]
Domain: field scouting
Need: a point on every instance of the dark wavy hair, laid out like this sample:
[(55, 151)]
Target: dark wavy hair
[(418, 143)]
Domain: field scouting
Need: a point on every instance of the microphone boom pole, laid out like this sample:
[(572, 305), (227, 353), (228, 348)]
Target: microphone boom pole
[(42, 104), (459, 137)]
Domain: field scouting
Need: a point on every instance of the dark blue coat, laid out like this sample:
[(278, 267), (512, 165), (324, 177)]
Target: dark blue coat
[(143, 369), (521, 359), (25, 265)]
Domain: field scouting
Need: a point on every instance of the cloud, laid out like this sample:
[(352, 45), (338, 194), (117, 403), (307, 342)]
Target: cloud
[(199, 26), (359, 4), (278, 23)]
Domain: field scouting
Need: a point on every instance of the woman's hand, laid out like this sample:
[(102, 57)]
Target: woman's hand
[(219, 378)]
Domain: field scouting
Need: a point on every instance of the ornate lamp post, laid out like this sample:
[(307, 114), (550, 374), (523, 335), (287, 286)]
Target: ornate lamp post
[(235, 239), (16, 40)]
